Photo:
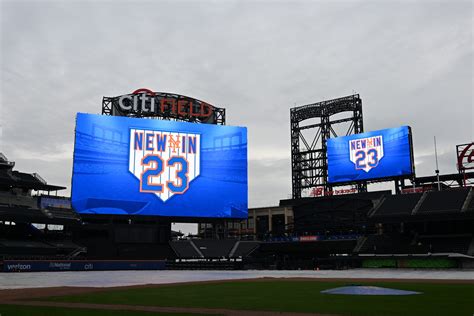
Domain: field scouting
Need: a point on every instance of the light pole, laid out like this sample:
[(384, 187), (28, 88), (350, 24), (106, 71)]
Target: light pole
[(437, 168)]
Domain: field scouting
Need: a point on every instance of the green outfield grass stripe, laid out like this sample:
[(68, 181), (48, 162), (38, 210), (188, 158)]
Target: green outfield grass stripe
[(295, 296), (21, 310)]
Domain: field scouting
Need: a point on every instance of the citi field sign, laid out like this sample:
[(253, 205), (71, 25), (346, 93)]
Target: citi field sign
[(144, 102)]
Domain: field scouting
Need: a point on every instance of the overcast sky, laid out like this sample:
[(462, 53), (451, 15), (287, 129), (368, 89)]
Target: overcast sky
[(410, 61)]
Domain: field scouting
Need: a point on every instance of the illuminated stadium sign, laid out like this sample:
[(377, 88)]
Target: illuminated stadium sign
[(147, 103), (156, 167), (465, 155), (374, 155)]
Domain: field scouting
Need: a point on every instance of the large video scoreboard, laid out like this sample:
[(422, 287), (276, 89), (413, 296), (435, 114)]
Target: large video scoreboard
[(375, 155), (136, 166)]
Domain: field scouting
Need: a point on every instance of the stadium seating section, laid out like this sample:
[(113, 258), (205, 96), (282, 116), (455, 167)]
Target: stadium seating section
[(214, 248), (400, 244), (27, 249), (413, 263), (421, 204), (12, 199), (398, 205), (13, 247), (394, 244), (22, 214), (470, 206), (310, 249), (61, 213), (184, 249), (243, 249), (449, 244), (445, 201)]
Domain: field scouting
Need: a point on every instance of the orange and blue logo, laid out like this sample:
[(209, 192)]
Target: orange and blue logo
[(164, 162), (366, 153)]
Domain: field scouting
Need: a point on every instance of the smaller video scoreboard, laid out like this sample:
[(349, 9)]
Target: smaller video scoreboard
[(376, 155)]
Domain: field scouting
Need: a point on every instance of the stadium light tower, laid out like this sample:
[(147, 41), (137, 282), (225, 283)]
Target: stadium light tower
[(309, 167)]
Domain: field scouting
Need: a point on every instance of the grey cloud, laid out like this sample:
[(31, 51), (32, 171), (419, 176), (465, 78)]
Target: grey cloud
[(410, 61), (269, 181)]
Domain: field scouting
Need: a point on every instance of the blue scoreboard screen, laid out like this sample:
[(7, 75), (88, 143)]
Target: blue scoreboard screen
[(368, 156), (153, 167)]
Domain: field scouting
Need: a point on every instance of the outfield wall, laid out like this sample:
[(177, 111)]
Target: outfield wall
[(83, 265), (411, 263)]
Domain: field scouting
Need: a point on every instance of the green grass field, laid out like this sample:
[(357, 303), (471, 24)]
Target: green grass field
[(17, 310), (295, 296)]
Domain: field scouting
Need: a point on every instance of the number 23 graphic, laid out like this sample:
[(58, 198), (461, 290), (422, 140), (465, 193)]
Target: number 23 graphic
[(154, 167), (361, 155)]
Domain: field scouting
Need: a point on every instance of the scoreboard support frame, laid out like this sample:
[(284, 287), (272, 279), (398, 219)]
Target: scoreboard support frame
[(309, 166)]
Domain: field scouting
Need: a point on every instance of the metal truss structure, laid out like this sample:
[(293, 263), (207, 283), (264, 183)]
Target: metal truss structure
[(428, 183), (110, 106), (309, 167)]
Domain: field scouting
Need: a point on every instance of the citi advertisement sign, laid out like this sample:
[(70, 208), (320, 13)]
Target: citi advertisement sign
[(144, 102), (465, 155)]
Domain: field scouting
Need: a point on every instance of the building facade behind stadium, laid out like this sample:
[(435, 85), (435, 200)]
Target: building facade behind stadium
[(427, 223)]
